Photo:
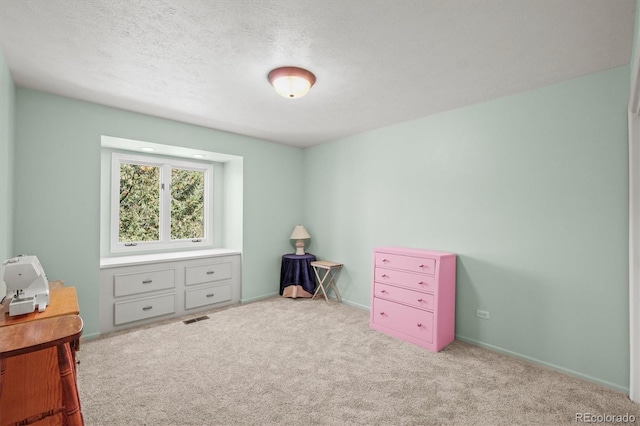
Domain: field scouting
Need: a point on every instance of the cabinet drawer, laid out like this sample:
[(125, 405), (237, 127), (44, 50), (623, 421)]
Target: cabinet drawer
[(141, 282), (148, 307), (410, 321), (408, 263), (406, 279), (402, 295), (206, 296), (207, 273)]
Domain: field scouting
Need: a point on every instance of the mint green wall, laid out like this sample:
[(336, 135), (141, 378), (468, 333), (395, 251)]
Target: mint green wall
[(7, 117), (634, 48), (529, 190), (57, 190)]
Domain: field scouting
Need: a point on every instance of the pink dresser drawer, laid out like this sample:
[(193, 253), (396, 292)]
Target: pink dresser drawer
[(409, 263), (402, 295), (410, 321), (413, 295), (405, 279)]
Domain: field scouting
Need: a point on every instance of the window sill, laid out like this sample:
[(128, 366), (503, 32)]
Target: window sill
[(115, 262)]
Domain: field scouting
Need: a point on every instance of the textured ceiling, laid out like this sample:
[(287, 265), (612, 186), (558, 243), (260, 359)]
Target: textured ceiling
[(377, 62)]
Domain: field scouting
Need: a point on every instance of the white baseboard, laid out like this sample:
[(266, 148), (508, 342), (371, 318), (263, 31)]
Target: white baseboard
[(257, 298), (356, 305), (567, 371), (89, 337)]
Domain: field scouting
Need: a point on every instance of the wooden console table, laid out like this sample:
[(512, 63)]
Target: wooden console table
[(37, 362)]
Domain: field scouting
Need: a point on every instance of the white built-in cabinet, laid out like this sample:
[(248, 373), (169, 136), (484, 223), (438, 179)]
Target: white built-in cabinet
[(136, 290)]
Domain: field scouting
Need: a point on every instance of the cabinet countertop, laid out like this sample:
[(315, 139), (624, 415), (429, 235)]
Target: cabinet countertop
[(141, 259)]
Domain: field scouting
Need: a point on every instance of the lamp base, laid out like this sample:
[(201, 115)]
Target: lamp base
[(300, 248)]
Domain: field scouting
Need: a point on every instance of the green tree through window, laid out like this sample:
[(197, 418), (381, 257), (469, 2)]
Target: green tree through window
[(160, 202), (187, 204), (139, 203)]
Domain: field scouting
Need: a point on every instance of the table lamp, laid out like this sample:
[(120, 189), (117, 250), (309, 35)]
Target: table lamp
[(299, 234)]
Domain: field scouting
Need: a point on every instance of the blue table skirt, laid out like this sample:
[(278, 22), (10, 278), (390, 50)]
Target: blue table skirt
[(297, 270)]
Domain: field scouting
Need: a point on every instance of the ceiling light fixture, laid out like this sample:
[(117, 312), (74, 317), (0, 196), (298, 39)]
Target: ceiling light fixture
[(291, 82)]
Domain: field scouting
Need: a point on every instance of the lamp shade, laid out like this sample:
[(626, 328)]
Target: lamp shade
[(291, 82), (299, 233)]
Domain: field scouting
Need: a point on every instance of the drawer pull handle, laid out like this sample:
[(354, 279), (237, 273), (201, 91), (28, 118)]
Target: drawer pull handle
[(419, 300), (421, 282), (146, 308), (422, 265), (147, 281), (211, 272), (384, 260), (382, 313), (385, 276), (419, 324), (383, 291), (210, 294)]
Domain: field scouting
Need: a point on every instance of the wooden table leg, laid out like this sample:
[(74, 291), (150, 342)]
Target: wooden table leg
[(320, 284), (333, 285), (3, 366), (70, 397)]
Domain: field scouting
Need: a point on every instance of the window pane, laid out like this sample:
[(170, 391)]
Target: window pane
[(139, 203), (187, 204)]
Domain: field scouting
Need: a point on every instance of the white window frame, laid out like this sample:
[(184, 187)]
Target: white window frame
[(164, 242)]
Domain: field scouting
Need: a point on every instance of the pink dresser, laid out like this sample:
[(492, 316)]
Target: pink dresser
[(413, 295)]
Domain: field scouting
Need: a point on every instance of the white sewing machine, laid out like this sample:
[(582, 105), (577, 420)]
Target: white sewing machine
[(25, 278)]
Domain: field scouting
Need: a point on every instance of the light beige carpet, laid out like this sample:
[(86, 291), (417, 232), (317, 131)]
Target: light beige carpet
[(300, 362)]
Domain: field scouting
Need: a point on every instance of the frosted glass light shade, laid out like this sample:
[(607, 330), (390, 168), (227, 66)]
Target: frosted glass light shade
[(291, 82)]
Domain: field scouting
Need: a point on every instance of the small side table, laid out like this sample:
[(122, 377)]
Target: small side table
[(59, 334), (330, 269), (296, 276), (34, 343)]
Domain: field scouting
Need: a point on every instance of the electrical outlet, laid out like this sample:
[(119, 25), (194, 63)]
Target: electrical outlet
[(482, 314)]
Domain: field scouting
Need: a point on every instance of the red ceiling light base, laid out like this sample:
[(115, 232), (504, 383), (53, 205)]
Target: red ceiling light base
[(291, 82)]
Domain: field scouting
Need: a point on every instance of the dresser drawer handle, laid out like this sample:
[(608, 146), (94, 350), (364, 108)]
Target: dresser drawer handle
[(382, 313), (422, 265), (419, 300), (210, 294), (146, 308), (384, 260), (383, 291), (211, 272), (419, 324), (385, 276), (147, 281), (421, 282)]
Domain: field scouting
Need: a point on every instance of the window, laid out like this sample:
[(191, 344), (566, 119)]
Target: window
[(160, 203)]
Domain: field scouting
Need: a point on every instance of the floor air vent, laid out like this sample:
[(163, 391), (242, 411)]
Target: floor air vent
[(192, 320)]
